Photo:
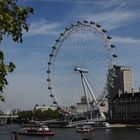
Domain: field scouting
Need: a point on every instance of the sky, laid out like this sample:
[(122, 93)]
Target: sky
[(27, 84)]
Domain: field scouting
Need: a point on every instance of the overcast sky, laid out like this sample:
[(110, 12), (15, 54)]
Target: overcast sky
[(28, 85)]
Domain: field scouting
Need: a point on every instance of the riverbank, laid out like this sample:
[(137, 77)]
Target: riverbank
[(124, 125)]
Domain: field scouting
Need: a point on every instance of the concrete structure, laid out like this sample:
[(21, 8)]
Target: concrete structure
[(104, 108), (83, 100), (123, 82), (81, 107)]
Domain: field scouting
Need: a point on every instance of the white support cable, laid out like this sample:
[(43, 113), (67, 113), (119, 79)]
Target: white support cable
[(90, 90), (85, 91)]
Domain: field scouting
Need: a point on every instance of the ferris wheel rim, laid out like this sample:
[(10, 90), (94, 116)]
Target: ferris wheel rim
[(63, 36)]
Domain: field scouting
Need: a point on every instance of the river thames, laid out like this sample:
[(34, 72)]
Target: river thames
[(71, 134)]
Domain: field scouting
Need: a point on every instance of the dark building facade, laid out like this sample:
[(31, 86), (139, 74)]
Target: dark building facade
[(124, 104), (125, 108)]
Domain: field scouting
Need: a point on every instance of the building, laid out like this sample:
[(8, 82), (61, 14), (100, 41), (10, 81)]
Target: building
[(124, 103), (44, 107), (82, 106), (123, 81), (125, 108)]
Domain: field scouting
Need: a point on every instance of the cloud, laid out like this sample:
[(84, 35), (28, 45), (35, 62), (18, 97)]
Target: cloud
[(110, 3), (110, 19), (126, 40), (43, 28), (116, 18)]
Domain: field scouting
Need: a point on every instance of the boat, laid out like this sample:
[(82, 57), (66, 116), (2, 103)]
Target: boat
[(36, 130), (2, 122), (101, 125), (93, 125), (137, 128), (84, 128)]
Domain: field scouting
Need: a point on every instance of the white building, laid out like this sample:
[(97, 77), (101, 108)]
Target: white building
[(123, 82), (81, 107), (44, 107)]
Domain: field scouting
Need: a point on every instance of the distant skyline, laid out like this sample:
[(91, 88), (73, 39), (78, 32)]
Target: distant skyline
[(28, 85)]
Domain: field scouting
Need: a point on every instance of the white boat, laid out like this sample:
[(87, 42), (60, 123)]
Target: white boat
[(101, 125), (36, 130), (84, 128), (94, 125), (2, 122)]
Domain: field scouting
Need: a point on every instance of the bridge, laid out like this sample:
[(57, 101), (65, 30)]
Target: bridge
[(8, 116), (87, 121)]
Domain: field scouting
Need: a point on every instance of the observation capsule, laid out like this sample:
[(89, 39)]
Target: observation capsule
[(51, 95), (61, 34), (109, 37), (55, 102), (54, 47), (49, 63), (51, 55), (48, 80), (48, 71), (91, 22), (78, 22), (114, 55), (112, 46), (98, 25), (85, 21), (104, 30), (57, 40), (49, 87), (66, 29)]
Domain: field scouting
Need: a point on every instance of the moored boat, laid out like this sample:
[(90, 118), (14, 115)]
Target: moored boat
[(92, 126), (84, 128), (37, 130), (2, 122), (101, 125)]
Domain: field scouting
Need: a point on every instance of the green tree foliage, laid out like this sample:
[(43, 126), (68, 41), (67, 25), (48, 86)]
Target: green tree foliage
[(12, 23), (39, 114)]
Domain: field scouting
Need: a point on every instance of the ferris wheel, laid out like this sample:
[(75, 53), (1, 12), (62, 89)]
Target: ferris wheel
[(80, 66)]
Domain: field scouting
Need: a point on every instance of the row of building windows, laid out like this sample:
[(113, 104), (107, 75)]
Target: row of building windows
[(126, 109)]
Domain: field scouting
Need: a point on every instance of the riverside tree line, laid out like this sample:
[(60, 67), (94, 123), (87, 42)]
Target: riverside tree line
[(39, 115)]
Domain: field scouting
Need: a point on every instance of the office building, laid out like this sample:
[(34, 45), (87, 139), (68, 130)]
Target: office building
[(123, 82)]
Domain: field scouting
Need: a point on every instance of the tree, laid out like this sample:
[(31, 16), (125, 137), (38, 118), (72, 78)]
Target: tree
[(39, 114), (12, 23)]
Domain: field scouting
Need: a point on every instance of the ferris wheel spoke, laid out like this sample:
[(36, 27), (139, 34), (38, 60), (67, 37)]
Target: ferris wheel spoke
[(64, 88), (96, 58), (96, 81)]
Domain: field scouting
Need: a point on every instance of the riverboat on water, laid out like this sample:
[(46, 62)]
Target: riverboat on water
[(2, 122), (36, 130), (92, 126), (101, 125), (84, 128)]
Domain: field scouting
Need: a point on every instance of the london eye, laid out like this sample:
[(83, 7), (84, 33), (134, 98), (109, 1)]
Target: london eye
[(79, 66)]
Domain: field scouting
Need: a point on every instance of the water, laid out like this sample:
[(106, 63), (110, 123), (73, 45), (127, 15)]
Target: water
[(71, 134)]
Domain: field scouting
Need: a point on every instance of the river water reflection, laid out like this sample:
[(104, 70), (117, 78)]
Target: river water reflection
[(71, 134)]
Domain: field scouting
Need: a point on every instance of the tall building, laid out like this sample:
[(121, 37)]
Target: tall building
[(123, 82)]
